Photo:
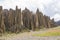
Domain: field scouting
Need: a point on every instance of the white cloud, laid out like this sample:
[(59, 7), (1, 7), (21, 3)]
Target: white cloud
[(31, 4), (56, 17), (12, 4), (52, 6)]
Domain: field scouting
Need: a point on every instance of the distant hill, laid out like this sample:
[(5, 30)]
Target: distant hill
[(58, 22)]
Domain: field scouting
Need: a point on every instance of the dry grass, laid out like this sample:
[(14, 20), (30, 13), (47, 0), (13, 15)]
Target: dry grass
[(50, 32)]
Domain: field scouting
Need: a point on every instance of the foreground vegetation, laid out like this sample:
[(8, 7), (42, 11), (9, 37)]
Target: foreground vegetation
[(42, 32), (50, 32), (38, 33)]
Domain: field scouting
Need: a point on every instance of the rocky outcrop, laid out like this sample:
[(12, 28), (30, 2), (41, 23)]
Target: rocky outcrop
[(17, 20)]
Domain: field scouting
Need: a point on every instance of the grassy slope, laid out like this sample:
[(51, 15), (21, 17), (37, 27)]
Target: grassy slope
[(50, 32), (42, 32)]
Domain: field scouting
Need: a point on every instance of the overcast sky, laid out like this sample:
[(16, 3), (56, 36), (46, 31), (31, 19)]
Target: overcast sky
[(48, 7)]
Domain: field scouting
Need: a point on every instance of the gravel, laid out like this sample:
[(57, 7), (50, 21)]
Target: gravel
[(31, 38)]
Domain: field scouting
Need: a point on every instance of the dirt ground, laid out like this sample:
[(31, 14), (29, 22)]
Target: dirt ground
[(28, 36)]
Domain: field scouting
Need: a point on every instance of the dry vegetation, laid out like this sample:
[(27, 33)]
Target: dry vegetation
[(53, 32), (50, 32)]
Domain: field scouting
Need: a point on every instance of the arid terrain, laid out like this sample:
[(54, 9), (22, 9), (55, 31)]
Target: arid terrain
[(30, 35)]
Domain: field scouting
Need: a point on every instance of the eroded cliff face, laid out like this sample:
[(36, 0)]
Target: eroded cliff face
[(17, 20)]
